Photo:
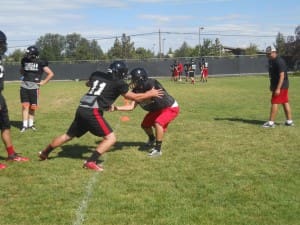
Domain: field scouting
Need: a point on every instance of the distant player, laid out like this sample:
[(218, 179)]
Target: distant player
[(32, 69), (192, 69), (161, 111)]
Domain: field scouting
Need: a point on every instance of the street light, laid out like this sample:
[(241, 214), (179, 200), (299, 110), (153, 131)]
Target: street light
[(200, 28)]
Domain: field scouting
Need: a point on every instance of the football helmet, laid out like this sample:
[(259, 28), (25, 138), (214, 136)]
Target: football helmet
[(138, 76), (32, 52), (3, 44), (118, 69)]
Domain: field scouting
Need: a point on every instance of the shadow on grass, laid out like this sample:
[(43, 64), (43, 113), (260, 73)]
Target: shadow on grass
[(74, 151), (16, 124), (122, 145), (241, 120)]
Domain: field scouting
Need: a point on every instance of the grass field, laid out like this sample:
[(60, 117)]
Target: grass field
[(219, 166)]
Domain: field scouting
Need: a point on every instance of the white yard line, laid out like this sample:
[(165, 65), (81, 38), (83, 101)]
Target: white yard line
[(81, 211)]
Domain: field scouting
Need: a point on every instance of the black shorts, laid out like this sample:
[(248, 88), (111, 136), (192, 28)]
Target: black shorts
[(191, 73), (4, 118), (29, 96), (91, 120)]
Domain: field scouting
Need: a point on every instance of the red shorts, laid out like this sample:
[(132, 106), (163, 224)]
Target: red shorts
[(162, 117), (281, 98), (205, 72)]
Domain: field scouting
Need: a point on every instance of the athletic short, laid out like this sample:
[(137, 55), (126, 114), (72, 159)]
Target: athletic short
[(88, 119), (162, 117), (205, 72), (4, 118), (29, 96), (281, 98), (191, 73)]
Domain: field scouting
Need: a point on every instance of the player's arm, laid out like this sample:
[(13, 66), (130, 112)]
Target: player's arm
[(49, 76), (128, 107), (280, 82), (138, 97)]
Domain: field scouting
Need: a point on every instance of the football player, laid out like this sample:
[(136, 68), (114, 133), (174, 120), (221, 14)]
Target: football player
[(32, 69), (4, 118), (161, 111), (104, 89)]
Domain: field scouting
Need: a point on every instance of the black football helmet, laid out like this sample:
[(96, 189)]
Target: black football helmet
[(32, 52), (3, 44), (118, 69), (138, 76)]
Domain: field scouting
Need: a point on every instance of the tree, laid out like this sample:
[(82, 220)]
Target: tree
[(142, 53), (16, 56), (115, 52), (297, 32), (51, 46), (251, 50), (280, 43), (184, 51)]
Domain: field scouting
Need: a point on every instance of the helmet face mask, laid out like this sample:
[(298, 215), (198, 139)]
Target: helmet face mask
[(118, 69), (138, 76), (32, 52), (3, 44)]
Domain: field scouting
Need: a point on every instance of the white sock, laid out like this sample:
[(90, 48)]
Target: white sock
[(271, 122), (30, 122), (289, 121), (25, 123)]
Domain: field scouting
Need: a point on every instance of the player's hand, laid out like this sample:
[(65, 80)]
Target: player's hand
[(112, 108), (156, 92), (277, 92)]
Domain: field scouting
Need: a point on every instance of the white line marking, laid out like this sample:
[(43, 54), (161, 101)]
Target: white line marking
[(81, 211)]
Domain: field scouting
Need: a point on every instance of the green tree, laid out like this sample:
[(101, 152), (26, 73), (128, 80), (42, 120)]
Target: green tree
[(252, 49), (184, 51), (51, 46), (142, 53), (280, 43), (16, 56)]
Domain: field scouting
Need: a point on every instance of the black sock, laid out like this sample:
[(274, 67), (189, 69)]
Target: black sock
[(48, 149), (158, 145), (94, 157), (151, 137)]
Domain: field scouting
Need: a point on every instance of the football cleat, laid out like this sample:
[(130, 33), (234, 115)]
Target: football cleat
[(17, 158), (289, 124), (93, 166), (154, 152), (43, 156), (23, 129), (2, 166), (32, 128), (268, 125)]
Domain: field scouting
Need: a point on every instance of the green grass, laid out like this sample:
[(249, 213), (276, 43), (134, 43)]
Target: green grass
[(219, 166)]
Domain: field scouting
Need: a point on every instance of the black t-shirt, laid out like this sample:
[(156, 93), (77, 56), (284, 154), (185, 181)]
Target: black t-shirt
[(33, 69), (104, 89), (155, 103), (276, 66)]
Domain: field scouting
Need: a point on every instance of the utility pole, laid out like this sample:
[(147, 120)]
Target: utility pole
[(159, 42), (200, 28)]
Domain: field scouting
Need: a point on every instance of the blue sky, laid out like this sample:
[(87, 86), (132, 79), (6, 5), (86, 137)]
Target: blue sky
[(237, 23)]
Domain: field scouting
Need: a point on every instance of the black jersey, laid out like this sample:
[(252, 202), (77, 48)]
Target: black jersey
[(33, 69), (1, 76), (104, 90), (276, 66), (155, 103)]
